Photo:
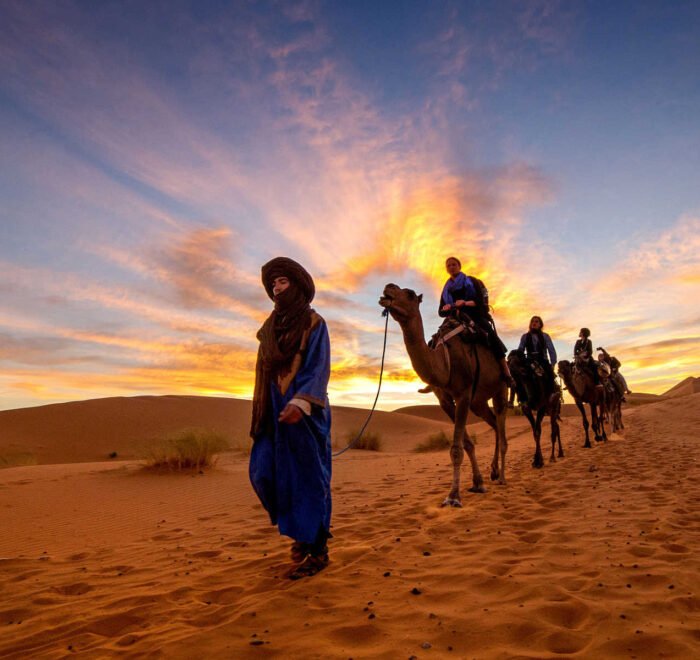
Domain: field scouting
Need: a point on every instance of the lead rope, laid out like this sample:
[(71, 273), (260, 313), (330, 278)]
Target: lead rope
[(385, 313)]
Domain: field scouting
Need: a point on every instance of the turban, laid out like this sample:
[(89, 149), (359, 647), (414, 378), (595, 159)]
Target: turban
[(296, 273)]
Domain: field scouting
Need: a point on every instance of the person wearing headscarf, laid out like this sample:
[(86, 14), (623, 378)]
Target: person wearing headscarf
[(290, 462), (583, 351), (465, 294), (539, 348), (537, 344)]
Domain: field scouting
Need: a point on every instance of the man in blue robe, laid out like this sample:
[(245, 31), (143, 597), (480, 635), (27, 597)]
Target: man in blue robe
[(290, 463)]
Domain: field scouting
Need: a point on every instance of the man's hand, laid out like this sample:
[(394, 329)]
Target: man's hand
[(291, 414), (465, 303), (446, 308)]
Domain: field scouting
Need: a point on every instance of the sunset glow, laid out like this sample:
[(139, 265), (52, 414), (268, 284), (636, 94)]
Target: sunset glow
[(154, 157)]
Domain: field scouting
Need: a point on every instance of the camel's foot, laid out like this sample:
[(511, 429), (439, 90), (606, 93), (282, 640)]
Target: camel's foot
[(587, 444), (478, 488), (495, 474), (502, 481), (454, 502), (538, 461), (599, 438)]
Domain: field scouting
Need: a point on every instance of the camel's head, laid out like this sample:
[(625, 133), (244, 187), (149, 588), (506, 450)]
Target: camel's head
[(517, 363), (403, 304), (564, 368)]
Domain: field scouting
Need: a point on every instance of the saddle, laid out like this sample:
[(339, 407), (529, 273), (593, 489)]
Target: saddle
[(463, 327)]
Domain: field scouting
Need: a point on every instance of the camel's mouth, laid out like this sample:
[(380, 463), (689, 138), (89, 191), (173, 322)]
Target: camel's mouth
[(387, 298)]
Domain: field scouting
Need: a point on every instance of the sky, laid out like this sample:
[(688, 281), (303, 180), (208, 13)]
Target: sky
[(154, 155)]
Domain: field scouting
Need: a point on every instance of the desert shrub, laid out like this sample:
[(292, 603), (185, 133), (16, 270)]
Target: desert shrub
[(438, 442), (435, 442), (369, 441), (190, 449), (17, 460), (244, 445)]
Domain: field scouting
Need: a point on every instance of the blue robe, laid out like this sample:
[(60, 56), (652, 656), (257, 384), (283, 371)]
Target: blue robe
[(290, 466)]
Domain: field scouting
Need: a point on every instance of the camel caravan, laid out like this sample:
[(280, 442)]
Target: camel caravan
[(465, 366)]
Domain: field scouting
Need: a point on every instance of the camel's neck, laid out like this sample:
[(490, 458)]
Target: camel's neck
[(430, 367), (577, 383)]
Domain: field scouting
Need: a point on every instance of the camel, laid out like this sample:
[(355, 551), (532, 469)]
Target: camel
[(613, 401), (539, 400), (463, 377), (579, 381)]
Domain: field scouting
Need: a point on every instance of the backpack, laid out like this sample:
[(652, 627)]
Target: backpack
[(482, 293)]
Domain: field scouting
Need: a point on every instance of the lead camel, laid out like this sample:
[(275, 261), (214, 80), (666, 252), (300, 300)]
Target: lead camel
[(464, 376)]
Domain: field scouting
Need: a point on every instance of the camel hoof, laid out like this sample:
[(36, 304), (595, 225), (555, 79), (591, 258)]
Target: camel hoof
[(502, 482), (453, 502), (478, 489), (538, 464), (494, 475), (561, 454)]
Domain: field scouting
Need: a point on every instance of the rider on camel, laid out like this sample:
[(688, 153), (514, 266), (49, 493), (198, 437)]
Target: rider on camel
[(539, 348), (468, 297), (617, 378), (583, 353)]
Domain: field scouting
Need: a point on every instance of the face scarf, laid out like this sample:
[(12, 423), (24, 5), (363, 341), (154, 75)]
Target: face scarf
[(459, 282), (281, 335)]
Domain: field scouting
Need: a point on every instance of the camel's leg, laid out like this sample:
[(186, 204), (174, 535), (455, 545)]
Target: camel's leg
[(554, 408), (502, 439), (598, 413), (457, 450), (538, 460), (527, 411), (482, 409), (584, 419), (477, 479), (497, 420), (446, 402)]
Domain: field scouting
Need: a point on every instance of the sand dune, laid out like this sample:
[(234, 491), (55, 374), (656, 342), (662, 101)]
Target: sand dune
[(596, 555), (86, 431), (689, 385)]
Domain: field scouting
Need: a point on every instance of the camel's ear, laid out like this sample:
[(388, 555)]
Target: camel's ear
[(420, 297)]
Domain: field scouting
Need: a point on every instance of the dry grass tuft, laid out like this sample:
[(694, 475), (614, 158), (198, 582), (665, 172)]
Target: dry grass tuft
[(17, 460), (190, 449), (438, 442), (435, 442), (369, 441)]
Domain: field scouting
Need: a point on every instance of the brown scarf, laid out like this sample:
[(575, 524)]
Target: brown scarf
[(282, 337)]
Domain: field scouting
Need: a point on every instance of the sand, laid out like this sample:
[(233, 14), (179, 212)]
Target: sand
[(596, 555)]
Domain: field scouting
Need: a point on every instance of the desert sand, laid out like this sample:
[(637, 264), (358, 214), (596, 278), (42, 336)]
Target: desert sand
[(596, 555)]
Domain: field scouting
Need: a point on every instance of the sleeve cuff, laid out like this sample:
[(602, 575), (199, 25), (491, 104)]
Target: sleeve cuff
[(303, 405)]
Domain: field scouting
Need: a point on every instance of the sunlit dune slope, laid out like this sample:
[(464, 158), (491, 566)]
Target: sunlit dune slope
[(86, 431)]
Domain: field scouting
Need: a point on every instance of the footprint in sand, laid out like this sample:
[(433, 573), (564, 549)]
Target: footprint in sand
[(76, 589), (206, 554)]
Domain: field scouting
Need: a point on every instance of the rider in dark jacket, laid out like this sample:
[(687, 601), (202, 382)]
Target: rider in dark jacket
[(583, 350), (539, 348)]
